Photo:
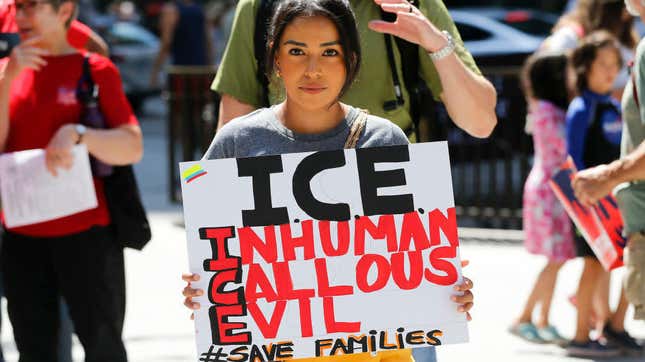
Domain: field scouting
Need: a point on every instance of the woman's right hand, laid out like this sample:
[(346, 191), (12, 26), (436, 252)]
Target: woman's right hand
[(26, 55), (189, 292)]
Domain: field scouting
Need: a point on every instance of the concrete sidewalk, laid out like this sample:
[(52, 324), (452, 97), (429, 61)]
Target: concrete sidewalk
[(158, 327)]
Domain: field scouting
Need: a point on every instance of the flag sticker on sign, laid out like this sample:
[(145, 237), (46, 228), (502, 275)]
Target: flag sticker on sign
[(193, 173)]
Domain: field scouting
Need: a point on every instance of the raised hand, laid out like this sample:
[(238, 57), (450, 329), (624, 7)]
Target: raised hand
[(26, 55), (410, 25)]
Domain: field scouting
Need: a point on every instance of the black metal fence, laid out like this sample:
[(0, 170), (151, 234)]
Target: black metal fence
[(488, 174)]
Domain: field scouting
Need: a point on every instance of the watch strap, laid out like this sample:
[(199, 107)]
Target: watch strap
[(446, 50)]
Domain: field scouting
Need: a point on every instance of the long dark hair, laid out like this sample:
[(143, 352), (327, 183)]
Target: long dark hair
[(338, 11), (544, 76), (584, 55)]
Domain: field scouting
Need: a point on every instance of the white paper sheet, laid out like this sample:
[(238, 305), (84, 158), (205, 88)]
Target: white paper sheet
[(30, 194)]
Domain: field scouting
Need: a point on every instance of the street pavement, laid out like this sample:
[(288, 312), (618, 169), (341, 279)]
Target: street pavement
[(158, 327)]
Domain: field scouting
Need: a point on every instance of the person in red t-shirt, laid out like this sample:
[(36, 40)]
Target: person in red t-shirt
[(74, 256), (79, 35)]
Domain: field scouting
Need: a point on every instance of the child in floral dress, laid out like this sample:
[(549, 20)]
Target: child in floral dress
[(547, 227)]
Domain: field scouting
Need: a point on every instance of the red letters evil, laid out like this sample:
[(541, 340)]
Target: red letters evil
[(404, 246)]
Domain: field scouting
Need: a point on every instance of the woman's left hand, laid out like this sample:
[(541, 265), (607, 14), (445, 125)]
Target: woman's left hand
[(410, 25), (465, 300), (58, 153)]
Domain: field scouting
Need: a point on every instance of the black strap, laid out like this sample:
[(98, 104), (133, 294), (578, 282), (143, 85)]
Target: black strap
[(410, 67), (391, 105), (396, 83), (260, 38), (86, 89), (86, 69)]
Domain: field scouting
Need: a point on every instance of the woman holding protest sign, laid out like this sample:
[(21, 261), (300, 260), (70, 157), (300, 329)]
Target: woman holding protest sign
[(75, 256), (316, 66)]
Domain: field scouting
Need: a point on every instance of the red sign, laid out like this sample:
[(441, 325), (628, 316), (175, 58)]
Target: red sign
[(601, 225)]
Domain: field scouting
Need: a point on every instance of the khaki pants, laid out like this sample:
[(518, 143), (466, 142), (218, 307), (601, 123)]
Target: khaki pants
[(634, 282)]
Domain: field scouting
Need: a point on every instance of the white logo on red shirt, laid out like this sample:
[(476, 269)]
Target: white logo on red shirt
[(67, 96)]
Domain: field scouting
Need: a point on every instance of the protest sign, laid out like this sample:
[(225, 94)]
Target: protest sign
[(600, 225), (324, 253)]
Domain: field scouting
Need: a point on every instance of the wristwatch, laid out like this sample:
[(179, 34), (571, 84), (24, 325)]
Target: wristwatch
[(80, 130), (446, 50)]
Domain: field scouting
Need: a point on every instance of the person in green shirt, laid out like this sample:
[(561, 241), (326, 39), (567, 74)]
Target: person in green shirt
[(452, 75), (626, 176)]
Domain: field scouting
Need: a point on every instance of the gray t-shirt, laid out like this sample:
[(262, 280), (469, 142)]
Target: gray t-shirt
[(260, 133), (631, 195)]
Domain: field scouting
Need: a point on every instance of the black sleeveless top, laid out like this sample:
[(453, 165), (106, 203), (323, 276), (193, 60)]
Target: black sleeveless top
[(598, 150)]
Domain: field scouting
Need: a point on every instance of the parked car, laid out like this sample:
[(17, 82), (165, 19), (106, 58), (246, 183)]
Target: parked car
[(500, 40), (496, 32), (133, 49)]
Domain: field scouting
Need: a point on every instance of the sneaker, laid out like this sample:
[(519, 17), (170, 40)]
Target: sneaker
[(626, 343), (591, 349), (527, 332), (551, 335)]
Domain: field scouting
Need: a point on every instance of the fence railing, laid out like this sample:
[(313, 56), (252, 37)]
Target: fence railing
[(488, 174)]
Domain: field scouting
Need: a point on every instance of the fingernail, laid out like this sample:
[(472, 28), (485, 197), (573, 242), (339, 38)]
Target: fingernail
[(200, 293), (456, 288), (453, 298)]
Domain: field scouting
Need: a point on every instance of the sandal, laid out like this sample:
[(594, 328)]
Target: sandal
[(527, 332), (551, 335)]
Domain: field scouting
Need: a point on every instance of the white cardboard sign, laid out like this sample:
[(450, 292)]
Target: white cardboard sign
[(324, 253)]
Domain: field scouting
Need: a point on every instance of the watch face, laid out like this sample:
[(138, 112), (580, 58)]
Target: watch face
[(80, 130)]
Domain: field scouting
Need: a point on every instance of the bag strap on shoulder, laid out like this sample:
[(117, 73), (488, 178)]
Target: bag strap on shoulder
[(86, 90), (356, 130)]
